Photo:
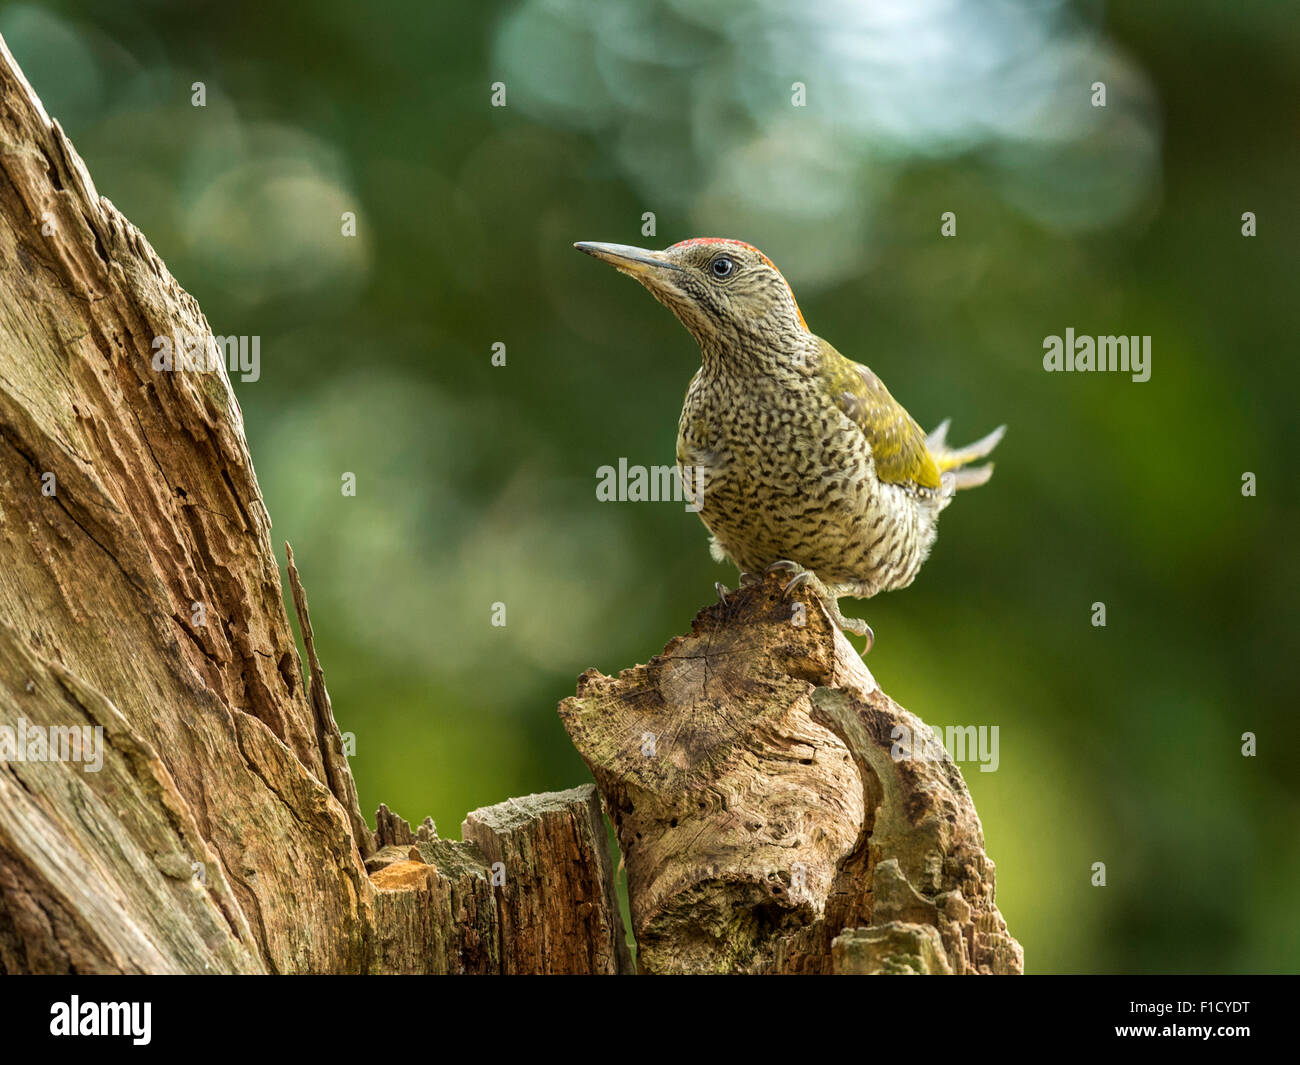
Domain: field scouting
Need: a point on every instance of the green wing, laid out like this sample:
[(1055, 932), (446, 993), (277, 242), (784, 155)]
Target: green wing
[(897, 442)]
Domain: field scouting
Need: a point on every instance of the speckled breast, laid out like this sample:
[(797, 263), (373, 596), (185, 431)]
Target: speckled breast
[(788, 476)]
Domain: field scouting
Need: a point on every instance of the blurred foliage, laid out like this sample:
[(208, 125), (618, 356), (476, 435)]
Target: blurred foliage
[(476, 484)]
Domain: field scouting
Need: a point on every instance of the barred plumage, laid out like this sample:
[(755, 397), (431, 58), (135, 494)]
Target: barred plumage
[(797, 453)]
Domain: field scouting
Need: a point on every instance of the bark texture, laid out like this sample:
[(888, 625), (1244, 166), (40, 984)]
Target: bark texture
[(137, 560), (765, 825), (530, 890), (139, 596)]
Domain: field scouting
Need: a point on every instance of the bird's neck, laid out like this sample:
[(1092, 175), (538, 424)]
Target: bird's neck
[(749, 359)]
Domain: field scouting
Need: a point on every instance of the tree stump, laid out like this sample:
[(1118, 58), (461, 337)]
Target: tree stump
[(763, 821)]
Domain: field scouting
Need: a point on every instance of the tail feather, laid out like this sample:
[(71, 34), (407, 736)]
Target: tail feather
[(968, 477), (952, 460), (937, 441)]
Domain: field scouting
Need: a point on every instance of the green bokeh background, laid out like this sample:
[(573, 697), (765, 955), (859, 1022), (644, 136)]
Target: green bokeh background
[(476, 484)]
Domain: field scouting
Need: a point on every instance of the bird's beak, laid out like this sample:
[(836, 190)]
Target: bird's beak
[(635, 262)]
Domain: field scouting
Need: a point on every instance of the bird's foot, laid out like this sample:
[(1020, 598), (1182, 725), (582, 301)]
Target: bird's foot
[(806, 577), (723, 591), (746, 579)]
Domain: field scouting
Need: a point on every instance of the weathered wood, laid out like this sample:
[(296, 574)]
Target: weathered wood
[(559, 910), (146, 572), (392, 830), (139, 594), (338, 773), (531, 890), (437, 913), (103, 868), (748, 773), (920, 870)]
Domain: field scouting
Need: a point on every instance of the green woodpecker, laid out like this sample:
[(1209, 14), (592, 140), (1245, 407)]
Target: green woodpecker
[(798, 458)]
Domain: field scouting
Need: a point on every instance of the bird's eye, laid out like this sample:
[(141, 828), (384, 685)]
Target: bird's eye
[(722, 266)]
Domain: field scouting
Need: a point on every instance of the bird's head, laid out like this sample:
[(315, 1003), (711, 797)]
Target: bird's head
[(726, 292)]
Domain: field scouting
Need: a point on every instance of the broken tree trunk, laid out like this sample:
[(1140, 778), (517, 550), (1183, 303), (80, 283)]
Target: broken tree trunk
[(765, 824), (173, 797)]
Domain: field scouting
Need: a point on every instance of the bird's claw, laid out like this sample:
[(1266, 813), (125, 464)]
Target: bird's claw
[(859, 628), (783, 565), (746, 579), (722, 590), (806, 578), (798, 581), (854, 625)]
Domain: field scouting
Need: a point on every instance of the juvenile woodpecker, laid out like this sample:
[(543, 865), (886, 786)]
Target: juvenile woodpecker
[(798, 458)]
